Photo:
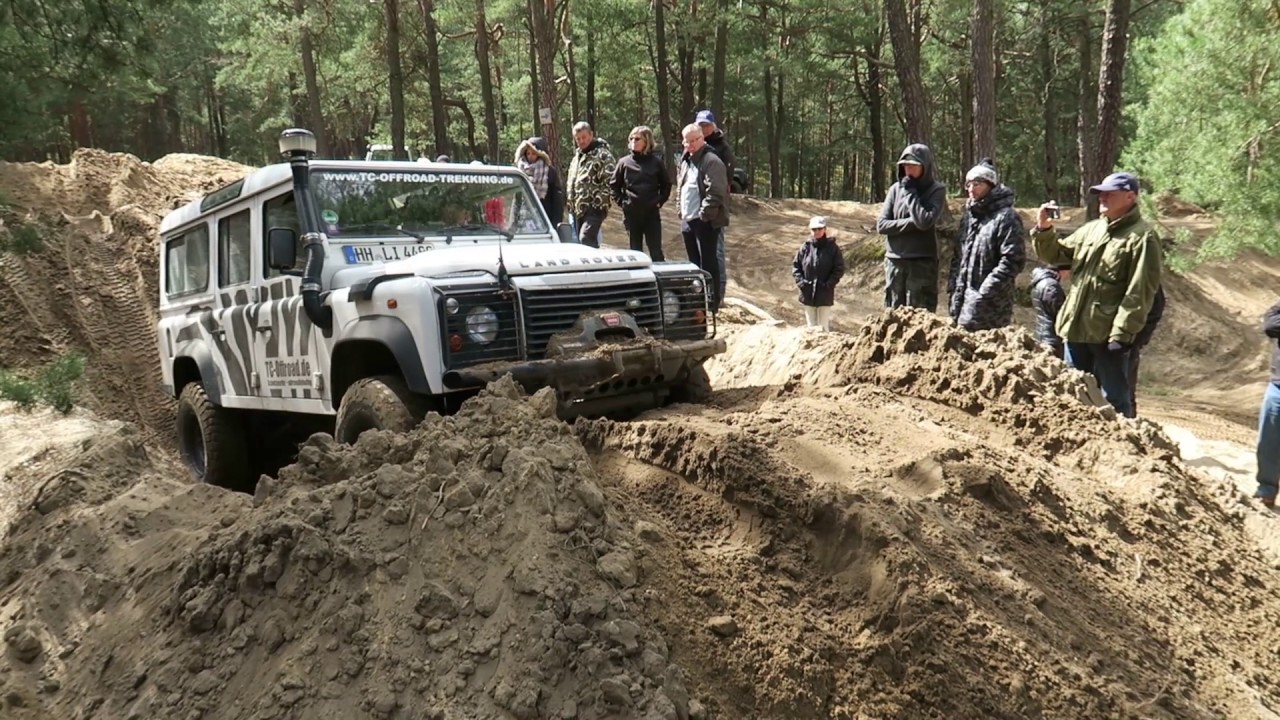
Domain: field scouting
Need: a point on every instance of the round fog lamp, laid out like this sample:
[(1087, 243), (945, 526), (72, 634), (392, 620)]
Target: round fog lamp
[(696, 284), (482, 325), (670, 307), (451, 306)]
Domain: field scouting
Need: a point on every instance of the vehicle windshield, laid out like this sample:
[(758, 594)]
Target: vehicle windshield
[(356, 204)]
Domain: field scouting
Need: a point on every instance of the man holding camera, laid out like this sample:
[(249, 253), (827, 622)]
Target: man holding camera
[(1116, 262)]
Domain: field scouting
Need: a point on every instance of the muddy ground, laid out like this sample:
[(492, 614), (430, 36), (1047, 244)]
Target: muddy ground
[(900, 521)]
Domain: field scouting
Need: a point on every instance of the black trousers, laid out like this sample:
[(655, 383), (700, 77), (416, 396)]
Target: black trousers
[(645, 228), (589, 224), (700, 240)]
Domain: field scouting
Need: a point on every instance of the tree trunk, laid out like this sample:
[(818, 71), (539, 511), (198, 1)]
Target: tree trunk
[(1087, 100), (875, 110), (773, 112), (476, 150), (544, 38), (685, 54), (1115, 43), (984, 79), (1050, 110), (439, 115), (315, 116), (721, 59), (967, 132), (570, 65), (395, 74), (483, 51), (906, 59), (535, 94), (664, 89), (591, 78)]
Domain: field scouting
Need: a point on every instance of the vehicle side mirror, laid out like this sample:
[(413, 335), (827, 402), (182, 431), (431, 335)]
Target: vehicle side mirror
[(282, 248), (565, 231)]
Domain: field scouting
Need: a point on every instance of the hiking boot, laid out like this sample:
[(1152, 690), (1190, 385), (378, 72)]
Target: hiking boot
[(1268, 501)]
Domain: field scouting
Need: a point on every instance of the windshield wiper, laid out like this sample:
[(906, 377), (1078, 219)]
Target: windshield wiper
[(480, 227), (387, 226)]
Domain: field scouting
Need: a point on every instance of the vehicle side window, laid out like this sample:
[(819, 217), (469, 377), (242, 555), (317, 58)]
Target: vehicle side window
[(280, 211), (233, 249), (186, 262)]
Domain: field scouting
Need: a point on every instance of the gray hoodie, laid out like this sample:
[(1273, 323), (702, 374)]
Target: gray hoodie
[(912, 209)]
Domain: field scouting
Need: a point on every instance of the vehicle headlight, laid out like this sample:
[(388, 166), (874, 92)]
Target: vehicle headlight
[(670, 307), (482, 325), (696, 285)]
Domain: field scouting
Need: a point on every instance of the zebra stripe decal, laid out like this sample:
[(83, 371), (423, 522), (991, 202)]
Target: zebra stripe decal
[(280, 354)]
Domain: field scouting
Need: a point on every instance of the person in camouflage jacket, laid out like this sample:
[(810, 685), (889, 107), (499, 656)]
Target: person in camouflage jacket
[(587, 188), (988, 253)]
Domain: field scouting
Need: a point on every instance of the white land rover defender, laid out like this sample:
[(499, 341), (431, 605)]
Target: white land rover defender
[(377, 291)]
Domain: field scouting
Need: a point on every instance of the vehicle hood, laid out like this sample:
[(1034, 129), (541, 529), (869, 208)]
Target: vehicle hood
[(519, 258)]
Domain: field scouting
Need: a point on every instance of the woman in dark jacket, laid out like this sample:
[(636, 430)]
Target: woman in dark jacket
[(818, 267), (641, 186)]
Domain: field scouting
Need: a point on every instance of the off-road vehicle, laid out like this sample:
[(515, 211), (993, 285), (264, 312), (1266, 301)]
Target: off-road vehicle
[(346, 295)]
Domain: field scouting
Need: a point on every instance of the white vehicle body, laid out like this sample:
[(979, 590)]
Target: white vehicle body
[(444, 310)]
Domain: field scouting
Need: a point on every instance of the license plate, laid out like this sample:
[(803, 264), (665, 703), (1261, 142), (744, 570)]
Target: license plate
[(363, 254)]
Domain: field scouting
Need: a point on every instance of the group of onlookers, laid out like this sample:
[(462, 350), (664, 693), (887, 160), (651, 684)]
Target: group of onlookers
[(640, 185), (1098, 294)]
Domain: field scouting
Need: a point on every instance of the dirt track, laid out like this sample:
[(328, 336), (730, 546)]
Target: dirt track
[(904, 522)]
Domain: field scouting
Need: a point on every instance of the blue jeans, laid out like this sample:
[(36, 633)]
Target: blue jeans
[(1269, 442), (1110, 368), (724, 271)]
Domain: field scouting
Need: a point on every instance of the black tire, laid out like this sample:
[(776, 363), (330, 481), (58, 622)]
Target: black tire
[(696, 388), (378, 403), (211, 441)]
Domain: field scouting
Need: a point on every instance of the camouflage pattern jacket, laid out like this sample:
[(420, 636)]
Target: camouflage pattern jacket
[(989, 252), (587, 187)]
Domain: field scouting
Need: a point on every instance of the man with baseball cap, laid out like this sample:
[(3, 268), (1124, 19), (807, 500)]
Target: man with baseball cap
[(1116, 262), (718, 144)]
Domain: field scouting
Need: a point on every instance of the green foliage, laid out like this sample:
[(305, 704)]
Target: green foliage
[(52, 385), (1207, 128), (21, 239)]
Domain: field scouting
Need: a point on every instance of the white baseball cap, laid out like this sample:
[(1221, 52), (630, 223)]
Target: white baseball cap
[(817, 221)]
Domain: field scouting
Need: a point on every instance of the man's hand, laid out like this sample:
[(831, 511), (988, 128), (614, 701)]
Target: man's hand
[(1116, 346), (1043, 221)]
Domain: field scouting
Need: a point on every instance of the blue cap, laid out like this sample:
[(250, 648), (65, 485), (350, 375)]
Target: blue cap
[(1116, 181), (705, 117)]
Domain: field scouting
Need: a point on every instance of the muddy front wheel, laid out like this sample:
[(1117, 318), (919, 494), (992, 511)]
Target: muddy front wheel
[(210, 440), (378, 403)]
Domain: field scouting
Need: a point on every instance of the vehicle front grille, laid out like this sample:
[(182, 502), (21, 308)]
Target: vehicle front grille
[(548, 311), (505, 347)]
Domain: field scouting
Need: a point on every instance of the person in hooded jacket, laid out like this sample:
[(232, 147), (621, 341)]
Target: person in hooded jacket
[(908, 221), (718, 144), (641, 187), (989, 252), (818, 267), (533, 160), (1047, 297)]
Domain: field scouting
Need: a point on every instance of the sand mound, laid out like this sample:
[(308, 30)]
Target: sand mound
[(93, 286), (471, 569)]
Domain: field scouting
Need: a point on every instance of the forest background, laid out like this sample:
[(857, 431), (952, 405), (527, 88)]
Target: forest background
[(816, 96)]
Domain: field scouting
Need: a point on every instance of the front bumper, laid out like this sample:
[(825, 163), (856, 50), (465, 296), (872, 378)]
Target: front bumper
[(633, 368)]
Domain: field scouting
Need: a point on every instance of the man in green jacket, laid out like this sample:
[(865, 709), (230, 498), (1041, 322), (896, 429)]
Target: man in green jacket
[(1116, 262)]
